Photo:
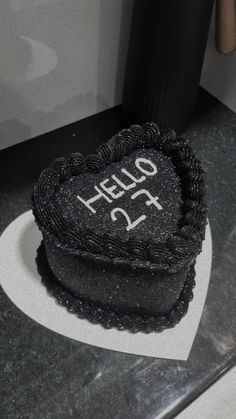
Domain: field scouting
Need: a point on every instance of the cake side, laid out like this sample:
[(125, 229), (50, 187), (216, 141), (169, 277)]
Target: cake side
[(110, 317)]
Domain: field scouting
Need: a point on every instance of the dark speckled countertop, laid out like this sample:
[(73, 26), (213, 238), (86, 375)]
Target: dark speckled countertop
[(47, 376)]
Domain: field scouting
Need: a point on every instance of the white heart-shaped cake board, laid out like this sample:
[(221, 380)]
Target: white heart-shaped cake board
[(22, 284)]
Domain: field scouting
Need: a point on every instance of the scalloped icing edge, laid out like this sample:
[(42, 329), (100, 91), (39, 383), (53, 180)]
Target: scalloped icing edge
[(125, 142)]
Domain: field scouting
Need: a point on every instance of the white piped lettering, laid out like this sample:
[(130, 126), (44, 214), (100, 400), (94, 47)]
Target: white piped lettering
[(99, 195), (146, 162), (110, 193), (152, 200), (141, 179), (131, 225), (120, 183), (110, 189)]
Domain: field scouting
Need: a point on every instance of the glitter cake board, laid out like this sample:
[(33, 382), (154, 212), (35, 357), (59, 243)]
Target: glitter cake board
[(22, 284)]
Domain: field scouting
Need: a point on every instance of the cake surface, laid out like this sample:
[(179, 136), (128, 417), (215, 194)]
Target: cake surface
[(116, 187), (122, 229)]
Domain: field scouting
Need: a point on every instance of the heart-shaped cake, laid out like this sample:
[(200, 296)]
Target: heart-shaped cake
[(122, 229)]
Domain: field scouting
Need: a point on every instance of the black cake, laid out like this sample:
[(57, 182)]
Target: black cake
[(122, 229)]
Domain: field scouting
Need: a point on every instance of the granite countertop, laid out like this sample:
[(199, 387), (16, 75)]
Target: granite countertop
[(48, 376)]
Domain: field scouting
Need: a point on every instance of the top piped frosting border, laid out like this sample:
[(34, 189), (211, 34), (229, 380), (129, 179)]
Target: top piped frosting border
[(178, 251)]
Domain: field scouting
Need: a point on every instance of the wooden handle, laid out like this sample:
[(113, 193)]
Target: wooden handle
[(225, 26)]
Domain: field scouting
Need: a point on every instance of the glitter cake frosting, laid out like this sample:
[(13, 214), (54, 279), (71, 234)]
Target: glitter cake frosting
[(122, 229)]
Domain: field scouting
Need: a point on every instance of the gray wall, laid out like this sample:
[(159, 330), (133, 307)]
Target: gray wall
[(60, 61), (219, 72), (63, 60)]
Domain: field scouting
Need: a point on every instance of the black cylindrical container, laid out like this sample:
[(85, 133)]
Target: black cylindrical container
[(165, 56)]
